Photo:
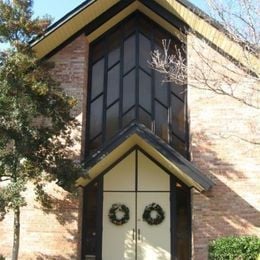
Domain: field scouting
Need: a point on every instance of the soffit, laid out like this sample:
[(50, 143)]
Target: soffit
[(136, 5), (90, 10), (77, 22)]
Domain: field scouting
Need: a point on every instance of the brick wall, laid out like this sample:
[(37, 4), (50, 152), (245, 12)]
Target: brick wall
[(71, 71), (54, 234), (220, 127), (44, 234)]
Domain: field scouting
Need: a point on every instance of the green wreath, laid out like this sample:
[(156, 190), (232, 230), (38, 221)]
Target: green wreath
[(115, 210), (153, 219)]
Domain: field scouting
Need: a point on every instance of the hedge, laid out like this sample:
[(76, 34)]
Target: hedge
[(235, 248)]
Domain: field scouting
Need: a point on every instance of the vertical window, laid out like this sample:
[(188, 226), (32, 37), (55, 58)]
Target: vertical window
[(123, 88)]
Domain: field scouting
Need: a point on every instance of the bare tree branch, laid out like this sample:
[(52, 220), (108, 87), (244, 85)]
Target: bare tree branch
[(202, 67), (239, 20), (254, 142)]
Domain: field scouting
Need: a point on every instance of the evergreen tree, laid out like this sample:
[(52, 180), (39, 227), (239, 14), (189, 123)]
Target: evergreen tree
[(35, 119)]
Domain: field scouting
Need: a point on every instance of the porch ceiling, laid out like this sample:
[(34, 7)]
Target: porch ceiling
[(138, 136)]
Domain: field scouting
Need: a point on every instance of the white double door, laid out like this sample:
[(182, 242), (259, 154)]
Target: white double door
[(136, 239)]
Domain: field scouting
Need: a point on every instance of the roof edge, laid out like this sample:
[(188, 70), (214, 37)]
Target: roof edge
[(212, 21), (62, 20), (158, 144)]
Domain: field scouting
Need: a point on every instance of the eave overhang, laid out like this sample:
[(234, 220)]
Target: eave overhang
[(137, 135), (182, 11), (93, 18)]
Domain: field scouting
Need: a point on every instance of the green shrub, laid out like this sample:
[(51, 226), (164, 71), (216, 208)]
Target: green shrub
[(2, 257), (235, 248)]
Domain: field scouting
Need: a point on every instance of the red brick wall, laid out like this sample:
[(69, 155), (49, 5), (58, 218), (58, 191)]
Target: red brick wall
[(44, 234), (71, 71), (54, 234), (219, 127)]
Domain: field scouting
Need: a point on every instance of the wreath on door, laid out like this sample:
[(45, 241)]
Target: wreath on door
[(119, 214), (153, 214)]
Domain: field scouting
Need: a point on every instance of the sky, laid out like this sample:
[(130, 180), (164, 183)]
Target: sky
[(55, 8), (58, 8)]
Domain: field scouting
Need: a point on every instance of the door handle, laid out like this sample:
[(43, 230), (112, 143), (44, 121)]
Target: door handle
[(133, 234), (139, 234)]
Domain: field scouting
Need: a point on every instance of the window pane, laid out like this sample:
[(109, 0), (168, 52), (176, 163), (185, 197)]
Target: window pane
[(97, 80), (145, 52), (161, 121), (145, 118), (113, 84), (178, 117), (130, 26), (96, 111), (161, 88), (129, 90), (145, 26), (94, 144), (145, 91), (114, 47), (159, 35), (178, 90), (113, 57), (112, 121), (129, 117), (97, 51), (129, 53), (178, 145)]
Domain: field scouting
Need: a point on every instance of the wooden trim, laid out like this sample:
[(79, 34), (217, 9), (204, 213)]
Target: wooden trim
[(100, 219), (173, 216), (168, 16)]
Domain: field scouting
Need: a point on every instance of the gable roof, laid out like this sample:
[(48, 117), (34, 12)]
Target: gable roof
[(94, 17), (137, 135)]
